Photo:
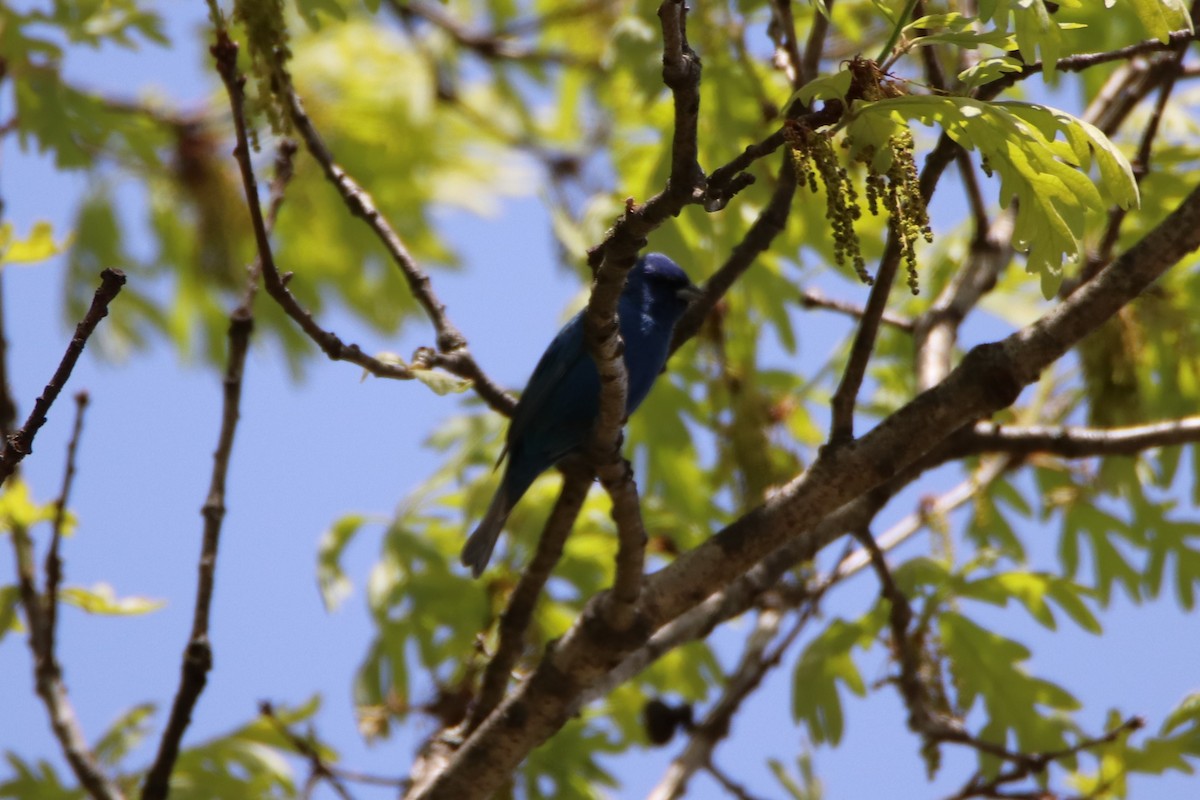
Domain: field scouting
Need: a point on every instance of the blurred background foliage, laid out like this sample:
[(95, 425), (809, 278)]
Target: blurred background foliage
[(469, 104)]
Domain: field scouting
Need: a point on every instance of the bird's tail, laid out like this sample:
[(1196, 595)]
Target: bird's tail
[(478, 550)]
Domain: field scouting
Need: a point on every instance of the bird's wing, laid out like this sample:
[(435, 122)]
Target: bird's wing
[(561, 357)]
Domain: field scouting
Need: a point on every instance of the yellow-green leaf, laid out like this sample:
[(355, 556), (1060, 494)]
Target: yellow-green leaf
[(101, 598)]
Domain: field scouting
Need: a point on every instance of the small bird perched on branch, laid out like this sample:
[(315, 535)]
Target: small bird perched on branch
[(559, 407)]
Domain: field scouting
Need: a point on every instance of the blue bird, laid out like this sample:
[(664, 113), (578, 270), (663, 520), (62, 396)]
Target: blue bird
[(559, 407)]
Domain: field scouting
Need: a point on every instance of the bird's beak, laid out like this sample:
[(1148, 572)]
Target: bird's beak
[(690, 293)]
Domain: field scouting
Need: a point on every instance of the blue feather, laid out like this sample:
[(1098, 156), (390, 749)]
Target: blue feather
[(561, 402)]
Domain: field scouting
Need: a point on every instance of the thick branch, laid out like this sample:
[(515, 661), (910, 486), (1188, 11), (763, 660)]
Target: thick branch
[(20, 444), (988, 379)]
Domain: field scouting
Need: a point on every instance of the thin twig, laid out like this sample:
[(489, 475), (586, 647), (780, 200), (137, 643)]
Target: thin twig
[(20, 444), (936, 331), (453, 354), (771, 222), (53, 563), (8, 406), (49, 683), (1141, 162), (197, 655), (815, 46), (492, 45), (846, 396), (1027, 765), (815, 298), (318, 769), (787, 48), (613, 260)]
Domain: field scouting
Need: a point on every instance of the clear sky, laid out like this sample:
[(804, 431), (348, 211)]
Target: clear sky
[(308, 453)]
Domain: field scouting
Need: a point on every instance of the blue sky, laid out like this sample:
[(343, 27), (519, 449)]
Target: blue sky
[(308, 453)]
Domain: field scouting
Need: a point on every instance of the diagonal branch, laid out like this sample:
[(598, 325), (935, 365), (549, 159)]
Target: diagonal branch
[(452, 352), (514, 622), (20, 444), (770, 223), (493, 45), (989, 378)]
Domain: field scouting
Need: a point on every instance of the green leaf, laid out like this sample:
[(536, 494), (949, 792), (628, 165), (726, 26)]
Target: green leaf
[(10, 598), (987, 667), (102, 599), (335, 587), (1019, 142), (826, 662), (1162, 17), (442, 383), (40, 781), (824, 87), (124, 735), (17, 508), (38, 246), (986, 70)]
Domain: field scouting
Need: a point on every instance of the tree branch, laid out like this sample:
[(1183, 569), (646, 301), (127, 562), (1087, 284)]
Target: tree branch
[(514, 622), (49, 683), (197, 655), (491, 45), (20, 444), (53, 563), (452, 354), (1073, 441), (988, 379), (771, 222)]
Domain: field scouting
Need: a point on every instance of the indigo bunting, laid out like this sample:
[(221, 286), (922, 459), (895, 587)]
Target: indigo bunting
[(559, 407)]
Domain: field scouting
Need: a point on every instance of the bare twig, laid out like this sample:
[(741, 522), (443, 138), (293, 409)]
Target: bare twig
[(49, 683), (453, 354), (1030, 764), (20, 444), (815, 298), (197, 656), (613, 259), (1072, 441), (53, 563), (815, 46), (756, 661), (770, 223), (787, 49), (936, 331), (492, 45), (846, 395), (8, 406), (1083, 61), (1141, 162)]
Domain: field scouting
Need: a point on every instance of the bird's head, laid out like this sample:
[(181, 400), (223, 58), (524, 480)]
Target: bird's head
[(662, 285)]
